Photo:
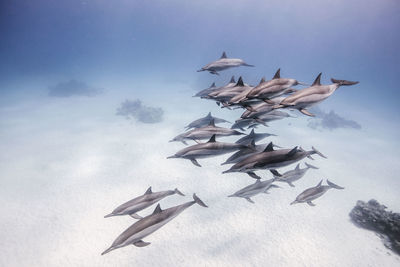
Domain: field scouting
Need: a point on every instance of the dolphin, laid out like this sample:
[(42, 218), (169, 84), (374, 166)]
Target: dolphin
[(206, 91), (240, 97), (205, 133), (273, 88), (206, 150), (253, 136), (258, 109), (149, 224), (223, 63), (254, 189), (141, 202), (316, 93), (312, 193), (224, 95), (242, 123), (269, 117), (292, 175), (212, 93), (205, 121), (271, 159), (246, 152)]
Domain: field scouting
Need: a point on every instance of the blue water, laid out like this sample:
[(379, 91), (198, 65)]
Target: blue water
[(151, 50)]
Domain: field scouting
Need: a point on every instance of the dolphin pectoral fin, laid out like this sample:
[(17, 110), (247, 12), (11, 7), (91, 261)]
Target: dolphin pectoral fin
[(253, 175), (310, 203), (136, 216), (197, 141), (141, 243), (306, 112), (249, 200), (309, 156), (194, 161), (184, 142), (290, 183)]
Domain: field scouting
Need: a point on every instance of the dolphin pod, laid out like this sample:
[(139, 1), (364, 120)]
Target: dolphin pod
[(141, 202), (223, 63), (149, 224)]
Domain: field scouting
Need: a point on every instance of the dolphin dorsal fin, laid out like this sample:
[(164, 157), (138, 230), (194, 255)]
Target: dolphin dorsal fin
[(148, 191), (212, 85), (240, 82), (232, 80), (262, 80), (317, 80), (269, 148), (212, 123), (298, 167), (212, 139), (253, 143), (223, 55), (209, 115), (252, 132), (277, 74), (292, 152), (157, 209), (319, 184)]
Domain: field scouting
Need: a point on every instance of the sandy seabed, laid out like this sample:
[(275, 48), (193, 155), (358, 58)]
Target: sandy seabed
[(65, 163)]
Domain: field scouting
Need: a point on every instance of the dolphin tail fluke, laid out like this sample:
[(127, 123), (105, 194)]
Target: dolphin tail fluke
[(311, 166), (199, 201), (178, 192), (108, 250), (319, 153), (334, 185), (343, 82)]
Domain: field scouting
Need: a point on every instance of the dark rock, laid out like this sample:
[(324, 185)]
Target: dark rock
[(135, 109), (373, 216)]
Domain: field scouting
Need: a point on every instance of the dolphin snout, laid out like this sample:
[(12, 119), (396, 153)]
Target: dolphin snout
[(294, 202), (108, 215), (172, 157)]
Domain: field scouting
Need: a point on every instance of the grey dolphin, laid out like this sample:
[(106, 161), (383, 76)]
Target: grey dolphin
[(258, 109), (206, 150), (316, 93), (205, 121), (270, 116), (149, 224), (141, 202), (206, 91), (243, 123), (253, 136), (254, 189), (213, 93), (205, 133), (246, 152), (223, 63), (271, 159), (272, 88), (292, 175), (312, 193), (225, 94)]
